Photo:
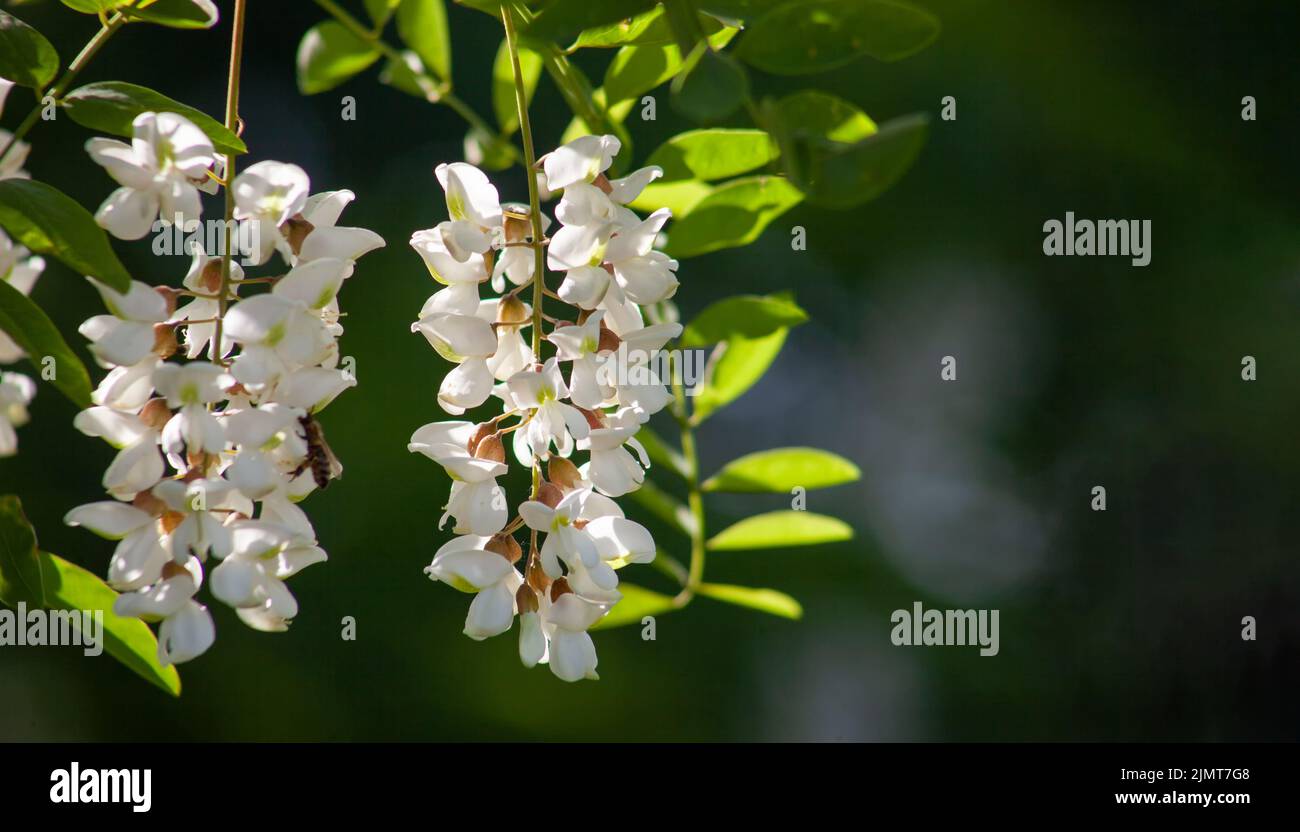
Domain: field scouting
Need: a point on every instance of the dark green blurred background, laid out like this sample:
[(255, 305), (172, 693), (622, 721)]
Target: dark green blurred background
[(1073, 372)]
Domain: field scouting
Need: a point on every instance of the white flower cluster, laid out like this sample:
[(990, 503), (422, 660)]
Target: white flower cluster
[(578, 398), (19, 268), (214, 454)]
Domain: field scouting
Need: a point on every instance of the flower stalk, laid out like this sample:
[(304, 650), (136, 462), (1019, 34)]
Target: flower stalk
[(233, 125)]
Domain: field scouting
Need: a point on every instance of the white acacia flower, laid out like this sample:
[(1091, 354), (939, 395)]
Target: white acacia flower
[(16, 392), (157, 172), (554, 421), (444, 266), (465, 563), (565, 541), (572, 653), (635, 370), (268, 195), (189, 388), (513, 353), (139, 464), (581, 160), (187, 630), (131, 332), (201, 531), (277, 334), (140, 555), (324, 237), (580, 344), (252, 578), (469, 341), (477, 503), (611, 468)]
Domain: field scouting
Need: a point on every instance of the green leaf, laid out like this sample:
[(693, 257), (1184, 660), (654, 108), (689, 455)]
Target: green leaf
[(664, 506), (641, 68), (26, 57), (503, 84), (20, 567), (764, 600), (817, 114), (782, 469), (744, 316), (94, 6), (408, 76), (177, 14), (679, 197), (660, 452), (733, 215), (838, 175), (621, 32), (635, 604), (48, 222), (563, 20), (30, 328), (422, 25), (710, 86), (808, 36), (779, 529), (734, 367), (718, 153), (328, 55), (111, 106), (129, 640)]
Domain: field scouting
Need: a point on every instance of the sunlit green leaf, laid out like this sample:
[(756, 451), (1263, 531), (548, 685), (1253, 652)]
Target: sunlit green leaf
[(733, 215), (764, 600), (20, 566), (635, 604), (409, 76), (817, 114), (26, 57), (641, 68), (624, 31), (94, 6), (48, 222), (744, 316), (779, 529), (176, 14), (503, 84), (129, 640), (328, 55), (111, 107), (808, 36), (711, 154), (734, 367), (679, 197), (780, 470), (710, 86), (563, 20), (422, 25), (31, 329)]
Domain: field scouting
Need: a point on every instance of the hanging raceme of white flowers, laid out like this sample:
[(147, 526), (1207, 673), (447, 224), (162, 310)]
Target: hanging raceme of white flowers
[(215, 450), (591, 395)]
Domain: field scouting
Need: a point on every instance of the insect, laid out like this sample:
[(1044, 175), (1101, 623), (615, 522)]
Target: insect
[(324, 465)]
